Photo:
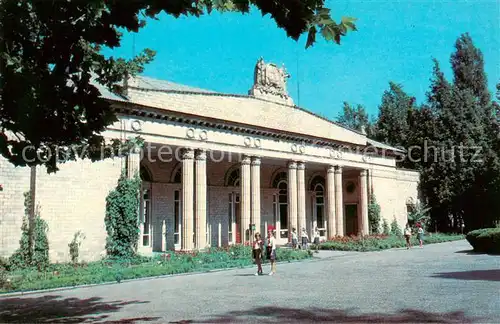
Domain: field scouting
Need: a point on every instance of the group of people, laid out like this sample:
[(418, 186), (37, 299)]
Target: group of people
[(420, 235), (258, 247)]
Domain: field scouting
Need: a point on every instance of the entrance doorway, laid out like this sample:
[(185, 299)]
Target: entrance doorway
[(351, 219)]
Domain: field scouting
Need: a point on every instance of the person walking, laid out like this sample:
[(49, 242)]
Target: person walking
[(257, 253), (295, 238), (305, 238), (420, 235), (271, 251), (316, 236), (408, 236)]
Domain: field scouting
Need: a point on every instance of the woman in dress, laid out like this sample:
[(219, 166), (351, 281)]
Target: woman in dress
[(420, 235), (271, 251)]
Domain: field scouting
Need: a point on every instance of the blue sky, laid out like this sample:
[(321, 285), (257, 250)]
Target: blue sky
[(395, 41)]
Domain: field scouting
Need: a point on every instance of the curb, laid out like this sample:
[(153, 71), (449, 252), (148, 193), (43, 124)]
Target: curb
[(108, 283)]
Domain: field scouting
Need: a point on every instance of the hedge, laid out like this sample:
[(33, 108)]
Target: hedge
[(485, 240)]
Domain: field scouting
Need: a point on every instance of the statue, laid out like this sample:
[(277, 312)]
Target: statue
[(270, 82)]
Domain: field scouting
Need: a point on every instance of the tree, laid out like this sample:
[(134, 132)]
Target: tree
[(392, 124), (355, 118), (51, 59)]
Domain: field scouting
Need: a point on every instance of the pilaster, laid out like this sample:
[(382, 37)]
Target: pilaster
[(133, 162), (330, 202), (201, 200), (301, 197), (245, 198), (255, 187), (187, 198), (292, 197), (363, 199), (339, 201)]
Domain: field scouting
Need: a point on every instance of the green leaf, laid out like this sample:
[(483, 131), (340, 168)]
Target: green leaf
[(311, 37)]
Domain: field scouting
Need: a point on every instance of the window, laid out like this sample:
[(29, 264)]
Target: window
[(177, 217), (320, 206), (230, 219), (283, 208), (233, 179)]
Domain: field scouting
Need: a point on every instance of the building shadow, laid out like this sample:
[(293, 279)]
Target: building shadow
[(54, 309), (487, 275), (273, 314)]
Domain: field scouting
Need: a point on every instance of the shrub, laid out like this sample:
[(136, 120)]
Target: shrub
[(385, 227), (74, 246), (395, 229), (37, 255), (122, 206), (486, 240), (374, 215)]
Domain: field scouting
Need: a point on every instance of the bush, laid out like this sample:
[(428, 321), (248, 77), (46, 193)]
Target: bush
[(122, 226), (374, 215), (485, 240), (395, 229), (385, 227), (74, 246), (379, 242), (39, 257)]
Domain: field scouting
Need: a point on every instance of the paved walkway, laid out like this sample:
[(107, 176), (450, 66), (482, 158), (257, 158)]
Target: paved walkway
[(439, 283)]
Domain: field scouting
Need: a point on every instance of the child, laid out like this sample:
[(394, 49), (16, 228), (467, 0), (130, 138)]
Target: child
[(257, 253)]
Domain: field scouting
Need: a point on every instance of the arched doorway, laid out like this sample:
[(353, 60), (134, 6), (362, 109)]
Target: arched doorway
[(280, 205), (234, 210), (318, 205)]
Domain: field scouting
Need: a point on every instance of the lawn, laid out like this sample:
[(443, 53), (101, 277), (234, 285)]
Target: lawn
[(112, 270), (381, 242)]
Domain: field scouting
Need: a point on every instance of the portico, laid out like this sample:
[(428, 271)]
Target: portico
[(216, 168)]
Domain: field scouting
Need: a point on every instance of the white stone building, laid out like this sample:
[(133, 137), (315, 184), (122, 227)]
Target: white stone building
[(213, 164)]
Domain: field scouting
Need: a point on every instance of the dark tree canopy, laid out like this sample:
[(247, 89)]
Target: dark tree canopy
[(51, 53), (355, 118)]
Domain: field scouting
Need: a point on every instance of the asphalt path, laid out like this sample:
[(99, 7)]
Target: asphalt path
[(440, 283)]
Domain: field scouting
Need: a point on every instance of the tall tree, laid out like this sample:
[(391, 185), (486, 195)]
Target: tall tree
[(355, 118), (468, 69), (51, 54)]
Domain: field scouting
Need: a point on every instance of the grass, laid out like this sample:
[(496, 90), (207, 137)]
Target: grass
[(112, 270), (381, 242)]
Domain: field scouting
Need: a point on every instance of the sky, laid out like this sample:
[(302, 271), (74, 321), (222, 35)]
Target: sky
[(396, 41)]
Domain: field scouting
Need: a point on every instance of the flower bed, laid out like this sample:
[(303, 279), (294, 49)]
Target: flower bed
[(485, 240), (380, 242), (109, 270)]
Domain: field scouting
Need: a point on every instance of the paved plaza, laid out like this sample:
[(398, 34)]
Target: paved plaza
[(441, 283)]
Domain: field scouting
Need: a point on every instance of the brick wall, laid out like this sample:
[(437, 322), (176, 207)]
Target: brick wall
[(15, 181)]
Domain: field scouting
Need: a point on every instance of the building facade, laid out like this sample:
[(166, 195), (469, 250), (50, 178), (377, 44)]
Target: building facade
[(215, 169)]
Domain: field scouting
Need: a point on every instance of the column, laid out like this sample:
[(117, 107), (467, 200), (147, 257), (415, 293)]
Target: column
[(301, 197), (133, 162), (201, 200), (187, 199), (363, 199), (330, 202), (339, 201), (245, 202), (255, 187), (292, 198)]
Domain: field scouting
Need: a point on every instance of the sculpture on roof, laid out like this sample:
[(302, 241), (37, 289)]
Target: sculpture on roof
[(270, 82)]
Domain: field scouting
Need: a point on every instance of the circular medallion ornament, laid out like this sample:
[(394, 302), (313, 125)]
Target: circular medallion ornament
[(190, 133), (257, 142), (136, 125), (248, 141), (350, 187), (294, 148), (302, 148), (203, 135)]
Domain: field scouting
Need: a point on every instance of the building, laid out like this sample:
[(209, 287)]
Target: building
[(215, 165)]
